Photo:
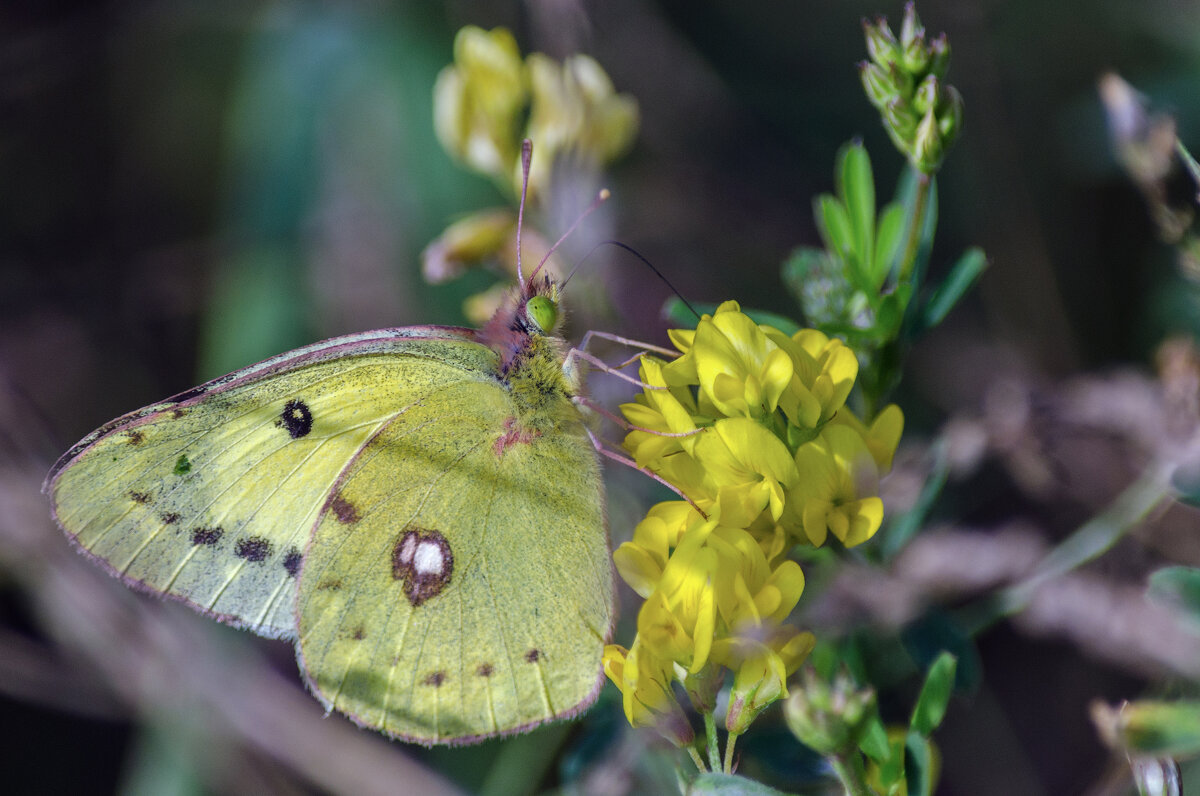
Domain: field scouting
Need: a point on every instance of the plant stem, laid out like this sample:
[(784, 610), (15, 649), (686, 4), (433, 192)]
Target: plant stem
[(849, 770), (703, 769), (710, 733), (914, 229), (733, 736), (1090, 540)]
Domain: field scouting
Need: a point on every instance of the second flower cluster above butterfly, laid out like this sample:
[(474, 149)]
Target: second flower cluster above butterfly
[(751, 425)]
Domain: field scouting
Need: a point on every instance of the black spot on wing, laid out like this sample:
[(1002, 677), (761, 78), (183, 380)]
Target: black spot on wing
[(533, 656), (297, 418), (359, 633), (434, 679), (485, 670), (207, 536), (139, 497), (135, 437), (291, 561), (169, 518), (253, 548), (344, 510)]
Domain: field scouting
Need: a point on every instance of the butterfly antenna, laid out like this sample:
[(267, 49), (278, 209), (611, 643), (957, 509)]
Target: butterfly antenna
[(526, 159), (645, 262), (600, 199)]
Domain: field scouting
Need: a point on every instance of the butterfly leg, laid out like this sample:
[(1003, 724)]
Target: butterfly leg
[(603, 449), (615, 338), (604, 367)]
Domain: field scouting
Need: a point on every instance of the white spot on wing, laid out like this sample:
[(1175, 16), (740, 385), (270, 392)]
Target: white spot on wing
[(408, 546), (429, 559)]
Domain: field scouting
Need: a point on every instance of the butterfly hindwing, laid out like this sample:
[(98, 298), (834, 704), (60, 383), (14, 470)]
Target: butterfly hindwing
[(458, 579)]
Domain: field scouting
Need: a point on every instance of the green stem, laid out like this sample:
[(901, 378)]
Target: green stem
[(710, 733), (1091, 539), (914, 229), (733, 736), (703, 769), (849, 770), (1190, 162)]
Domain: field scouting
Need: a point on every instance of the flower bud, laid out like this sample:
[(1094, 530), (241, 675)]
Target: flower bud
[(950, 116), (925, 98), (829, 718), (879, 86), (881, 42), (927, 145), (939, 55), (1150, 728), (911, 27), (915, 55), (466, 243), (900, 118)]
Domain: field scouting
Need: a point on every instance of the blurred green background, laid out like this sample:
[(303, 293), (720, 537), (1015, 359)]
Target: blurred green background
[(194, 185)]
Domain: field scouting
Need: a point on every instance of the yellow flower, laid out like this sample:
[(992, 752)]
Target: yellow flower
[(575, 114), (882, 437), (645, 684), (678, 620), (751, 426), (747, 470), (642, 560), (667, 411), (741, 372), (750, 593), (837, 488), (825, 370), (761, 669), (478, 101)]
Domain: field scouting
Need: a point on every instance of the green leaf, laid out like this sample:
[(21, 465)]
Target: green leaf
[(891, 771), (960, 279), (729, 785), (1177, 586), (856, 187), (889, 235), (889, 316), (874, 742), (833, 222), (935, 695), (918, 765)]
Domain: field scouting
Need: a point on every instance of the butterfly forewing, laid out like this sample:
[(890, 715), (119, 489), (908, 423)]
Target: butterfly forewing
[(212, 499), (458, 583)]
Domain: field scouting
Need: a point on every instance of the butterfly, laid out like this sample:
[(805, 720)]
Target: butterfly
[(419, 509)]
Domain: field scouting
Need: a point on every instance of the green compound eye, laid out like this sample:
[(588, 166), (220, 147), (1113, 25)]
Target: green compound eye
[(543, 312)]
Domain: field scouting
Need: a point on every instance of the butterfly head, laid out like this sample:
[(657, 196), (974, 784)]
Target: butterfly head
[(538, 312)]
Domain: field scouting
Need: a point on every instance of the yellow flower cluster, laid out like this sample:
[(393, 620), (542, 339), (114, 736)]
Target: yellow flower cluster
[(484, 105), (751, 426), (481, 100)]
